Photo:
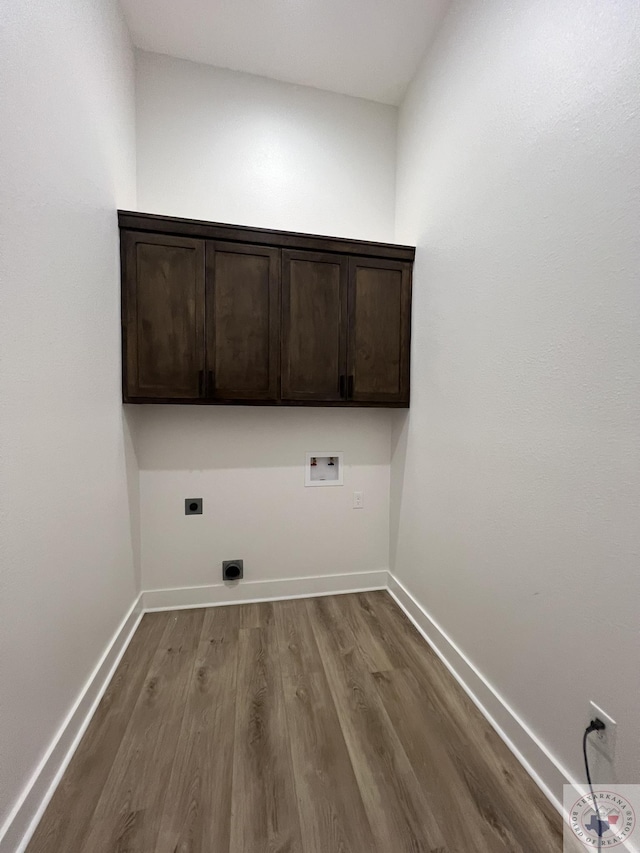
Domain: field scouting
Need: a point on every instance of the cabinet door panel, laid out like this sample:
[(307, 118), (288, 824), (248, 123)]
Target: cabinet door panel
[(314, 302), (379, 330), (163, 298), (242, 320)]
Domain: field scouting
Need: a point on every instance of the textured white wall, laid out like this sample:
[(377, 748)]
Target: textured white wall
[(516, 475), (67, 567), (248, 466), (230, 147), (219, 145)]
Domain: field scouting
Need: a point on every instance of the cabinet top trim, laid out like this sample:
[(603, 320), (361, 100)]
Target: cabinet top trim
[(130, 220)]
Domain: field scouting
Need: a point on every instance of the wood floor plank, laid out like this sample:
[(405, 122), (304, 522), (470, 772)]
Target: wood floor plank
[(332, 814), (398, 811), (376, 653), (506, 795), (264, 816), (378, 631), (297, 648), (256, 615), (127, 817), (66, 821), (197, 810), (481, 830)]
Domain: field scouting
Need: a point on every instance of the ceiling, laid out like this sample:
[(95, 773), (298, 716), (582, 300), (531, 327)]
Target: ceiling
[(367, 48)]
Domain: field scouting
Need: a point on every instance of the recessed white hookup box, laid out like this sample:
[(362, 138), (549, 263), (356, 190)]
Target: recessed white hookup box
[(324, 468)]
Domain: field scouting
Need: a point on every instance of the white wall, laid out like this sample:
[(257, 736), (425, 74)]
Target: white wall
[(67, 566), (248, 466), (516, 474), (230, 147)]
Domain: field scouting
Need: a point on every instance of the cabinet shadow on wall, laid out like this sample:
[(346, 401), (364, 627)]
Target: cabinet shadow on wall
[(399, 425), (129, 435), (176, 438)]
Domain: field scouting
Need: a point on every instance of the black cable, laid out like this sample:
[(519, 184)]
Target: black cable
[(595, 726)]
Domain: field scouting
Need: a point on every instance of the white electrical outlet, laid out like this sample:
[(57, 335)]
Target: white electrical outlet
[(605, 740), (358, 500)]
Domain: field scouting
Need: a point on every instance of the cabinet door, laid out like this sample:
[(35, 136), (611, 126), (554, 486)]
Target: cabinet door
[(314, 303), (242, 322), (163, 310), (379, 330)]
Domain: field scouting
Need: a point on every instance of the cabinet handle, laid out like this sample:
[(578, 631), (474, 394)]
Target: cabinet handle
[(342, 386), (350, 387), (200, 383)]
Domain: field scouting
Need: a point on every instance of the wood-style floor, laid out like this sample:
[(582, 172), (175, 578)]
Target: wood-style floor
[(324, 725)]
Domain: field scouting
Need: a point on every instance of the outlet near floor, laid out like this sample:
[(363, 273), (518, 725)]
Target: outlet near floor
[(605, 740)]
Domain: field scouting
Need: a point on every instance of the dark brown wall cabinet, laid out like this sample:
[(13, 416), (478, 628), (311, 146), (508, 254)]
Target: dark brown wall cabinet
[(223, 314)]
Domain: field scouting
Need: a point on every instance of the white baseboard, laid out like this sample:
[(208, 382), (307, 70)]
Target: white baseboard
[(543, 767), (23, 819), (253, 591), (537, 760), (17, 830)]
